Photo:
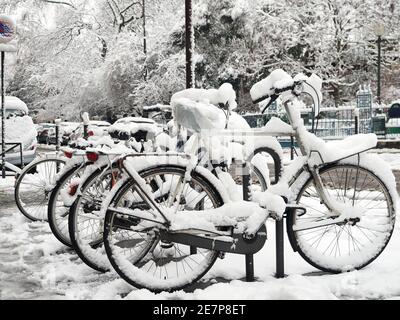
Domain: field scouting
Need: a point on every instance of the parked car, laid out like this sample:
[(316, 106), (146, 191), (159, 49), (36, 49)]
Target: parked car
[(44, 131), (96, 130), (141, 129), (66, 129), (19, 128), (161, 114)]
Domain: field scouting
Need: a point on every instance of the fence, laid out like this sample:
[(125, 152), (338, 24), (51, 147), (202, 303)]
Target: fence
[(332, 123), (338, 123)]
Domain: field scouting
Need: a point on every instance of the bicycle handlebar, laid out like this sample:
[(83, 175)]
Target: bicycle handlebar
[(277, 92)]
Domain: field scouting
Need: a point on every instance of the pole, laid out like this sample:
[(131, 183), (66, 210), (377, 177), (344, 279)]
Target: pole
[(379, 68), (189, 44), (246, 197), (144, 35), (3, 116), (144, 27), (291, 148)]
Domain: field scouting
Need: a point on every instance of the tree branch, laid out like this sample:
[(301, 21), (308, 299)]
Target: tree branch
[(60, 2)]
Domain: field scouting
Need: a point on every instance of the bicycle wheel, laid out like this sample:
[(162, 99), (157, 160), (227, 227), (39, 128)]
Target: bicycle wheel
[(84, 222), (34, 185), (139, 257), (60, 204), (352, 245)]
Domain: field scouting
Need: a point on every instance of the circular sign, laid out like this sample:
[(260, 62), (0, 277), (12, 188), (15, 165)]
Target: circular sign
[(7, 29)]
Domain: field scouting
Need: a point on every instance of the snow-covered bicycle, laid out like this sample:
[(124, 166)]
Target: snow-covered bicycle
[(34, 184), (339, 201)]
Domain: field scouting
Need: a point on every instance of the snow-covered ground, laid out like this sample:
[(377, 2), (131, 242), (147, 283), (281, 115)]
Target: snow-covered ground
[(34, 265)]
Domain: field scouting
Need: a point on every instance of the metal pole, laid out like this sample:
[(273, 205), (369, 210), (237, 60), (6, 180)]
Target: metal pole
[(291, 148), (189, 44), (3, 115), (57, 122), (279, 237), (246, 197), (379, 69)]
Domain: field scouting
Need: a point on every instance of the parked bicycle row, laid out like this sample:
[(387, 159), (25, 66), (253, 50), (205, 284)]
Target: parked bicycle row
[(161, 211)]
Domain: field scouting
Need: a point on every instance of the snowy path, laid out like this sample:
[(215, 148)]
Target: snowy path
[(33, 265)]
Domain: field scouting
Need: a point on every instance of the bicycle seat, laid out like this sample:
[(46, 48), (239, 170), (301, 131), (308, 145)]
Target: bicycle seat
[(197, 109), (333, 151)]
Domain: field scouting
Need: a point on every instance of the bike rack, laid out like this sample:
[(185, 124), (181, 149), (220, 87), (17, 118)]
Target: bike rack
[(279, 229), (13, 146)]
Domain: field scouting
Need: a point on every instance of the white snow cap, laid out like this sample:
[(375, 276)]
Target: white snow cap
[(277, 79), (14, 103), (196, 109), (225, 94), (197, 116)]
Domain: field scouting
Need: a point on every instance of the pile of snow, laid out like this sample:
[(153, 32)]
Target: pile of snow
[(278, 79), (276, 125), (198, 116), (197, 109), (334, 150), (130, 126), (14, 103), (224, 95), (243, 215), (20, 130)]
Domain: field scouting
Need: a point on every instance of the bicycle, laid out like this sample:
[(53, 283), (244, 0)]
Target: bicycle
[(326, 196), (34, 185)]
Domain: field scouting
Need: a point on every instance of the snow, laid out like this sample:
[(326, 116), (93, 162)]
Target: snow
[(35, 266), (335, 150), (276, 125), (224, 95), (20, 130), (278, 79), (133, 125), (244, 216), (8, 47), (14, 103), (198, 116)]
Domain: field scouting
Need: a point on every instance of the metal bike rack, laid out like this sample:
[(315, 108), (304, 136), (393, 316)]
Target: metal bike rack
[(279, 229)]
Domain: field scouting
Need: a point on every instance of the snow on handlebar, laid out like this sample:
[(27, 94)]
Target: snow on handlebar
[(280, 81)]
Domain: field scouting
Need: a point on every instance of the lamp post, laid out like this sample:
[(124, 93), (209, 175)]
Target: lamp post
[(379, 30)]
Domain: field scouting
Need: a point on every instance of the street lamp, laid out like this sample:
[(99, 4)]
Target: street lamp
[(379, 31)]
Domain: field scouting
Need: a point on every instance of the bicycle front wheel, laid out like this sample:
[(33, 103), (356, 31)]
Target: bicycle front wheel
[(61, 201), (348, 246), (34, 185), (140, 257)]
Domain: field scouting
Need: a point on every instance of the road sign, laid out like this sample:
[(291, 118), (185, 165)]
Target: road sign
[(7, 28)]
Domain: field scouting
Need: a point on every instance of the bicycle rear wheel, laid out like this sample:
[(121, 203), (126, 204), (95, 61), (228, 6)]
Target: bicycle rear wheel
[(34, 185), (141, 258), (352, 245)]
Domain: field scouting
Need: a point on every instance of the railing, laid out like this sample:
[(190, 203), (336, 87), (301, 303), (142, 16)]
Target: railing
[(12, 147), (341, 122)]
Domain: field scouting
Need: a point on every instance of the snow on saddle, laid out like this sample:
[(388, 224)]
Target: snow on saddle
[(197, 109)]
